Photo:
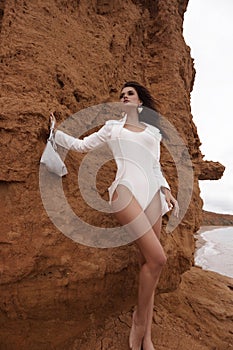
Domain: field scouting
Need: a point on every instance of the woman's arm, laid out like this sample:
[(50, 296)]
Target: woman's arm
[(159, 175), (88, 143), (165, 188)]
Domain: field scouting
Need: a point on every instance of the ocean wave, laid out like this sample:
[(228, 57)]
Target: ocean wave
[(215, 252)]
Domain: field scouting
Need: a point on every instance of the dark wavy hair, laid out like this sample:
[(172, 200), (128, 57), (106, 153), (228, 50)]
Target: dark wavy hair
[(149, 114), (143, 94)]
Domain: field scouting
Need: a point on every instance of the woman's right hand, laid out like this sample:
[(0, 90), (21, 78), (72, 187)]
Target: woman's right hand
[(52, 120)]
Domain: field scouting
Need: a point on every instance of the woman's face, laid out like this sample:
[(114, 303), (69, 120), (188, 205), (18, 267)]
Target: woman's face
[(129, 95)]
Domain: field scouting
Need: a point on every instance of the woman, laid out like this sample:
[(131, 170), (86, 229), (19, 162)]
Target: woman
[(139, 196)]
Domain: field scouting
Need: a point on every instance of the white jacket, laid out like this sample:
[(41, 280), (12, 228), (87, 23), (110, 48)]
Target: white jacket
[(109, 132)]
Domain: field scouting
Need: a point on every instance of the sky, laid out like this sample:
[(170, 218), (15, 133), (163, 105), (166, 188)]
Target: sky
[(208, 31)]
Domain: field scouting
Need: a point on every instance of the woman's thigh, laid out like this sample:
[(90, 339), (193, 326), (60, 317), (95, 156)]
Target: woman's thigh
[(153, 213), (130, 214)]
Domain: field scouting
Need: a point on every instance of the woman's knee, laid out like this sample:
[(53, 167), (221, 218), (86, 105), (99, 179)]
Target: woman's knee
[(157, 263), (161, 259)]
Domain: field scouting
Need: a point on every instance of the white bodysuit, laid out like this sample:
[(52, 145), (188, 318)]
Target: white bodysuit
[(137, 155)]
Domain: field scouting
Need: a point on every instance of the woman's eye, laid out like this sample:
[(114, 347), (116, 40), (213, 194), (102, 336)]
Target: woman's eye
[(129, 93)]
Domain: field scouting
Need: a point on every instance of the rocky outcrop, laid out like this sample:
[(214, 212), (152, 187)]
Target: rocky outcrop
[(216, 219), (64, 56), (210, 170), (197, 316)]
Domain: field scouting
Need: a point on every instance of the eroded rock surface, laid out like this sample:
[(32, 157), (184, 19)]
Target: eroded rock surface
[(65, 56)]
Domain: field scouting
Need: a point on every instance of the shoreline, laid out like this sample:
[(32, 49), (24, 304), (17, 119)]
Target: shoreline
[(207, 249), (199, 240)]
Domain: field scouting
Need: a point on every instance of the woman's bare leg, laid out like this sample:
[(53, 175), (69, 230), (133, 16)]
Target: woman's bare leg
[(159, 261), (147, 339), (153, 254), (152, 212)]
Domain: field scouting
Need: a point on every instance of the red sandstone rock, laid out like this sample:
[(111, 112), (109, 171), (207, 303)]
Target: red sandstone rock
[(210, 170), (64, 56), (216, 219)]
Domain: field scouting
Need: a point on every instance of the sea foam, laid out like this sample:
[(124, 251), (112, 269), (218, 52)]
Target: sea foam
[(215, 249)]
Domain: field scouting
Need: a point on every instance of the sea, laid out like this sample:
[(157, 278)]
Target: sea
[(214, 249)]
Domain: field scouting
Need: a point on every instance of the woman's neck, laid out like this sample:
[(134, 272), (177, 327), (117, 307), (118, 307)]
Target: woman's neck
[(132, 118)]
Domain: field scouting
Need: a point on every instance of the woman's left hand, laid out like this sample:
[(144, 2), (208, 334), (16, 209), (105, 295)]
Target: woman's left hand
[(52, 120), (171, 201)]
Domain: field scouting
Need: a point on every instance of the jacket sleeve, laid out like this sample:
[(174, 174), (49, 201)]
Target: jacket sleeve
[(159, 175), (88, 143)]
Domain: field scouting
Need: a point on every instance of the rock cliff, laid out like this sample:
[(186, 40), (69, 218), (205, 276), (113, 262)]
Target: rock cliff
[(216, 219), (64, 56)]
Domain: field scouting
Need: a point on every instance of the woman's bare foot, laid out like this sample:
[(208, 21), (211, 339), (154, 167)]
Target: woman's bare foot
[(147, 344), (136, 333)]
